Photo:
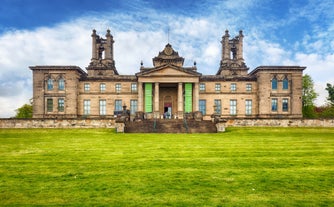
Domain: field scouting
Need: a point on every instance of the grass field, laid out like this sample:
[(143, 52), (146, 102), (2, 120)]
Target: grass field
[(97, 167)]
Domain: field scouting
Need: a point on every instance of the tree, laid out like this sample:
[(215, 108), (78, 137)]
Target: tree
[(24, 111), (309, 95), (330, 89)]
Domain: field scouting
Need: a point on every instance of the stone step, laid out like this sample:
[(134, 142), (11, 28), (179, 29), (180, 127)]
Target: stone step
[(170, 126)]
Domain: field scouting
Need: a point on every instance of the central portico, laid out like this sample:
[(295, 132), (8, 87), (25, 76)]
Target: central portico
[(168, 90)]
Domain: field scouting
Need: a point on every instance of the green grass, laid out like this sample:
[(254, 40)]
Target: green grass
[(97, 167)]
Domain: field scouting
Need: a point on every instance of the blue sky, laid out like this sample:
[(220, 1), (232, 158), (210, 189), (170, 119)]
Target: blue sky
[(277, 32)]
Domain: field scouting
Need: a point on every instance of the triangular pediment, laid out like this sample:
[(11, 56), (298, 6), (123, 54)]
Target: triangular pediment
[(168, 70)]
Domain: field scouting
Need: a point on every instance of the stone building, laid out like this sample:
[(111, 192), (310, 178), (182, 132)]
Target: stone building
[(168, 89)]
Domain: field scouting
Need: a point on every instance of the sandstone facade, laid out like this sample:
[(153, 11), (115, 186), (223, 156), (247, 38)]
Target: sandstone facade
[(168, 89)]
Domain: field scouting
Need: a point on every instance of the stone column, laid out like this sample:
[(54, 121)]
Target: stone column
[(196, 97), (156, 100), (140, 96), (180, 101)]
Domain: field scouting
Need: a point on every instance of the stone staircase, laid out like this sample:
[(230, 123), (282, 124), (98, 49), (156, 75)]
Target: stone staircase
[(170, 126)]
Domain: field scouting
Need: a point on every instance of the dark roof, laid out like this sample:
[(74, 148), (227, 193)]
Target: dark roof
[(222, 78), (57, 67), (275, 68), (110, 78)]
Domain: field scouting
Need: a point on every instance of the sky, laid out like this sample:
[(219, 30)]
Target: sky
[(276, 32)]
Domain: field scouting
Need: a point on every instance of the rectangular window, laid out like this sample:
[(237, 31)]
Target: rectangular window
[(103, 107), (285, 104), (233, 86), (248, 107), (133, 87), (248, 87), (61, 104), (202, 106), (102, 87), (50, 84), (218, 106), (61, 84), (233, 107), (118, 87), (86, 87), (49, 105), (274, 104), (217, 87), (118, 105), (133, 106), (86, 107), (202, 87)]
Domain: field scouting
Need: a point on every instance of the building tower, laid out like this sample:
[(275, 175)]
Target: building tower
[(102, 61), (232, 61)]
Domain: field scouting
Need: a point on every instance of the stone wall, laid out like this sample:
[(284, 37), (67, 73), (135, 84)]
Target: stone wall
[(57, 123), (110, 123), (280, 122)]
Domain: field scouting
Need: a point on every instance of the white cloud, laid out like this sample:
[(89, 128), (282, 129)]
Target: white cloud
[(140, 36)]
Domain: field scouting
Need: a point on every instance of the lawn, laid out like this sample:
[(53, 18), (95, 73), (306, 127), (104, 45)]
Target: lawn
[(98, 167)]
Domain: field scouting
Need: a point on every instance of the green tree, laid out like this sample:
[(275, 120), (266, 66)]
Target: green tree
[(24, 111), (309, 95), (330, 89)]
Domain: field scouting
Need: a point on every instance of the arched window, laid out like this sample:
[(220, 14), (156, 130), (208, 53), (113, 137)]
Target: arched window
[(61, 84), (274, 83), (285, 83), (50, 84)]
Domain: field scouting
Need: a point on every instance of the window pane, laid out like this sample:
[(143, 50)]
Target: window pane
[(202, 86), (133, 106), (50, 84), (248, 87), (217, 87), (118, 105), (49, 104), (61, 84), (274, 84), (202, 106), (118, 87), (61, 104), (103, 108), (133, 87), (102, 87), (86, 87), (248, 107), (274, 104), (285, 104), (218, 106), (233, 107), (86, 107), (285, 83), (233, 86)]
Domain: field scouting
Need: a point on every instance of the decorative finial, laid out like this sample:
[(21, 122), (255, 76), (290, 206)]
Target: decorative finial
[(195, 63), (141, 63)]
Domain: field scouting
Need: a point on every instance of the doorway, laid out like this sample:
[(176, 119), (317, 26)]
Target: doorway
[(167, 110)]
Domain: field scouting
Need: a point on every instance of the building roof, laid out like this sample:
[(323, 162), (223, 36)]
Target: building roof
[(276, 68), (56, 67)]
